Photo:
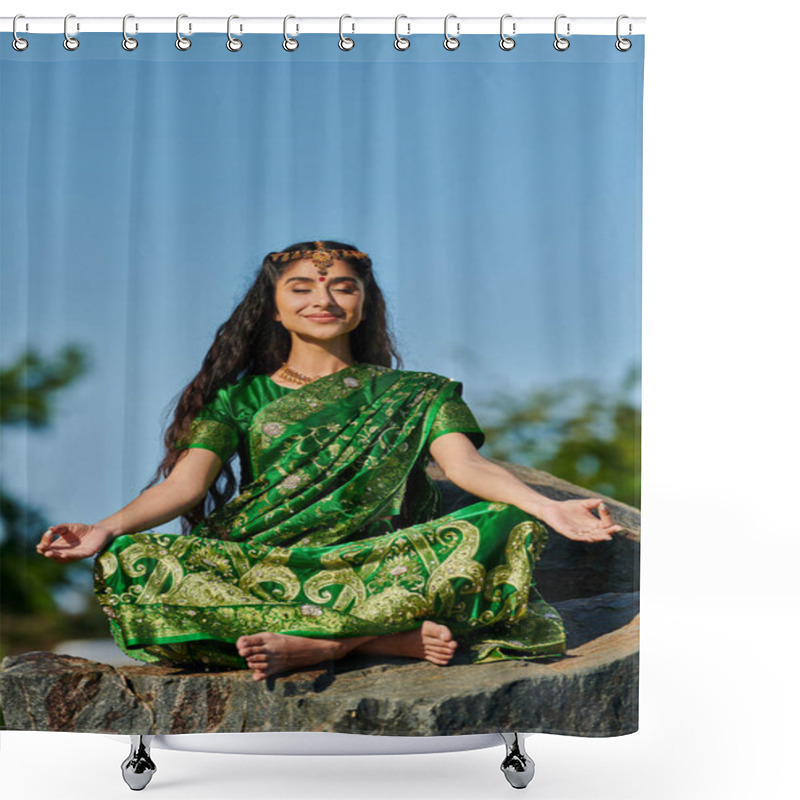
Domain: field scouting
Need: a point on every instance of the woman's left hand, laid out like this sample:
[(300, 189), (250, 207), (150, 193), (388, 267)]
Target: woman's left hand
[(574, 519)]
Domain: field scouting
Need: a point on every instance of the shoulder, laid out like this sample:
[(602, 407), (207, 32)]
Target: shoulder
[(411, 374), (243, 391), (240, 384), (440, 385), (444, 382)]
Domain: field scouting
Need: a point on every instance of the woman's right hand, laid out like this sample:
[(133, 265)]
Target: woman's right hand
[(75, 540)]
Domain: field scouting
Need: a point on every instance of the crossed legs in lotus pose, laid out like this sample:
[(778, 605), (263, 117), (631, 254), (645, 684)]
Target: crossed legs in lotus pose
[(269, 653)]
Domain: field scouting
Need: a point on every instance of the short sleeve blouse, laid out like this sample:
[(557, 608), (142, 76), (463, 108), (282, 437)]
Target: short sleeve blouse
[(214, 428), (455, 416)]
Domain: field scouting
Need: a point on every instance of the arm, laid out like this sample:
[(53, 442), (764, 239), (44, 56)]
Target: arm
[(187, 483), (470, 471)]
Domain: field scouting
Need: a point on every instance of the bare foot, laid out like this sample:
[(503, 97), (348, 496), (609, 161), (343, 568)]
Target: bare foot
[(268, 653), (432, 642)]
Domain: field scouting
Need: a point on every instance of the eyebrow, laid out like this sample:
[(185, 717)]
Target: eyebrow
[(312, 280)]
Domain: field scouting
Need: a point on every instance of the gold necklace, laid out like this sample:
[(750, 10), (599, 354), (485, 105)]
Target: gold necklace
[(294, 377), (297, 377)]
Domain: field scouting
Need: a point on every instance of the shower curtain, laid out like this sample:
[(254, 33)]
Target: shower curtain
[(498, 195)]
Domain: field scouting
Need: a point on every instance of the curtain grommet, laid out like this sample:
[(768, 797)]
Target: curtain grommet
[(401, 42), (451, 42), (345, 43), (560, 44), (233, 44), (70, 42), (181, 42), (289, 44), (18, 43), (129, 43), (507, 42)]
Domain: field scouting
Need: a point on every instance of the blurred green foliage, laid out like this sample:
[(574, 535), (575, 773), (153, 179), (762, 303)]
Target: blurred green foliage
[(28, 386), (31, 617), (576, 431)]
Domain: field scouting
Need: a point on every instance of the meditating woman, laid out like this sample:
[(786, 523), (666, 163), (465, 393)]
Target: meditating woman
[(335, 542)]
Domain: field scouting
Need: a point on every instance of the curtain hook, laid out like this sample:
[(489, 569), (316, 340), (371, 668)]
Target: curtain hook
[(344, 42), (233, 44), (623, 45), (181, 42), (289, 43), (561, 43), (400, 42), (18, 43), (128, 42), (70, 42), (451, 42), (507, 42)]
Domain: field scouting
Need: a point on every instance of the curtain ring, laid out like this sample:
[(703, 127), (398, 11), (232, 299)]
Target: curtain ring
[(507, 42), (233, 44), (181, 42), (18, 43), (344, 42), (451, 42), (561, 43), (70, 42), (128, 42), (289, 43), (623, 45), (400, 42)]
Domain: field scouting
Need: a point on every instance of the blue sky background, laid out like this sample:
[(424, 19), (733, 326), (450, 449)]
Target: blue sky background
[(498, 194)]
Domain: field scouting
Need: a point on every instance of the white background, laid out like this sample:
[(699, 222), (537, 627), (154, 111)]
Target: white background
[(719, 701)]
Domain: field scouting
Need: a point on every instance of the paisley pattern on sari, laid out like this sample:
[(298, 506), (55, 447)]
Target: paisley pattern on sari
[(336, 532)]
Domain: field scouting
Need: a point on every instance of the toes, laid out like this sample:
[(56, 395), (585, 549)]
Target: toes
[(447, 645), (433, 630), (244, 646), (442, 633), (252, 649)]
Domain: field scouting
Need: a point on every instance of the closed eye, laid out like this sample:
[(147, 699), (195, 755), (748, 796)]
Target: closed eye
[(305, 291)]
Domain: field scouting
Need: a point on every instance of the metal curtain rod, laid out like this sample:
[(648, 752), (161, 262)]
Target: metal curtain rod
[(351, 25)]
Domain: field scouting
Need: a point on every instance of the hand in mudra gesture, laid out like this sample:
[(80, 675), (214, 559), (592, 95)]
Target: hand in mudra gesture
[(75, 540), (574, 519)]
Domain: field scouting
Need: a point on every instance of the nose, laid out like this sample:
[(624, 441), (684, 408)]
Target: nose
[(323, 298)]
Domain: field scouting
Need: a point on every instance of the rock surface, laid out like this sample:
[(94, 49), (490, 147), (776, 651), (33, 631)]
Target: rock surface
[(593, 691), (588, 693)]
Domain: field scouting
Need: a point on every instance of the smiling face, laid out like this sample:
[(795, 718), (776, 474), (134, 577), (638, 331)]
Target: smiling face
[(317, 306)]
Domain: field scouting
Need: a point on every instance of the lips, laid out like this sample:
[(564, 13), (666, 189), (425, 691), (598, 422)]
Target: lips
[(322, 317)]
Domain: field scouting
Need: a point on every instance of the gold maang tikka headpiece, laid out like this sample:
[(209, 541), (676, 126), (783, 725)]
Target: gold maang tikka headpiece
[(321, 257)]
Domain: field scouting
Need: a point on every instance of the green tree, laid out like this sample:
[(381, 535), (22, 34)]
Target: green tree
[(28, 582), (575, 431)]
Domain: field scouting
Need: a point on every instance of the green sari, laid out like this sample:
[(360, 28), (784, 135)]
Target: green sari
[(336, 532)]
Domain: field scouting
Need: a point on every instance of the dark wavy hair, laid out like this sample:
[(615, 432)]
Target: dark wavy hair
[(252, 342)]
